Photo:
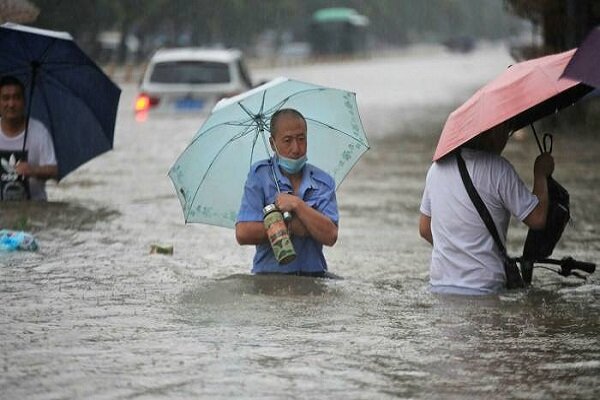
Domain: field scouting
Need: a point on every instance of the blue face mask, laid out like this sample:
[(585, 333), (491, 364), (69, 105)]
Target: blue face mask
[(290, 165)]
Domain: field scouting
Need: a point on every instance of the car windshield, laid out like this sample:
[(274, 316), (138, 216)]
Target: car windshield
[(190, 72)]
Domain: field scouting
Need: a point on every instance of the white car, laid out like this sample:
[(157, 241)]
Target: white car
[(191, 79)]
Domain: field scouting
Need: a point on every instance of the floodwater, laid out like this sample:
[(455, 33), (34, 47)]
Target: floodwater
[(93, 315)]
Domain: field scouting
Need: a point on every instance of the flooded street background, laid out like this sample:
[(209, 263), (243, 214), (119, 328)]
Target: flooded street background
[(93, 315)]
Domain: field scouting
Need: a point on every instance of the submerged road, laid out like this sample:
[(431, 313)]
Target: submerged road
[(94, 315)]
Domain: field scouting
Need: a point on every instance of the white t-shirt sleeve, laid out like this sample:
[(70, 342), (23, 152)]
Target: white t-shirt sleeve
[(47, 155), (515, 195), (426, 199)]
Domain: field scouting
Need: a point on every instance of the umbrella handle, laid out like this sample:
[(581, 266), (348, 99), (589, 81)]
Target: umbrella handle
[(537, 139), (547, 141), (34, 70)]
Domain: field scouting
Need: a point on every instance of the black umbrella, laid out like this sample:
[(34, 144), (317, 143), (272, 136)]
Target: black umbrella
[(67, 91)]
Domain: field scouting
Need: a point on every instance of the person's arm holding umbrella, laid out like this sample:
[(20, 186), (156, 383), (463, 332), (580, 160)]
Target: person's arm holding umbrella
[(41, 164), (495, 142), (543, 168), (45, 166), (41, 172), (253, 233), (307, 221)]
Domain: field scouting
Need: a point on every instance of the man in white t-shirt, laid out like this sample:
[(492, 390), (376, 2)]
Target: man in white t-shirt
[(41, 159), (465, 259)]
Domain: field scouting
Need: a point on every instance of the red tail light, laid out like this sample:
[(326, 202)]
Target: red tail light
[(145, 102)]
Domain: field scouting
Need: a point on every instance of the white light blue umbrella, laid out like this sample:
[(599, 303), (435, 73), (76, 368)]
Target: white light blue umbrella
[(209, 175)]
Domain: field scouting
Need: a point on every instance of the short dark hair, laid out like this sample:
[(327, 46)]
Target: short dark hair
[(482, 141), (9, 80), (280, 113)]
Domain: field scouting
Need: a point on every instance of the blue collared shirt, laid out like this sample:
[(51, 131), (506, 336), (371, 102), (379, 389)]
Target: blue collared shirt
[(317, 189)]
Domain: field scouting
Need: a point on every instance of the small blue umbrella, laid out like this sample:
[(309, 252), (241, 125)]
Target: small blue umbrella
[(65, 90), (209, 175)]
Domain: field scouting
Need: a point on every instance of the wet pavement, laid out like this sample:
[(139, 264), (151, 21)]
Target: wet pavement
[(93, 314)]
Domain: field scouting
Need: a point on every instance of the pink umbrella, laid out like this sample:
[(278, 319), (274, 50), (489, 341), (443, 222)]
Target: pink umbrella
[(524, 93)]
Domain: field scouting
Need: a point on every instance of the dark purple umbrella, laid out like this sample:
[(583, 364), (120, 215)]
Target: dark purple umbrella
[(585, 64)]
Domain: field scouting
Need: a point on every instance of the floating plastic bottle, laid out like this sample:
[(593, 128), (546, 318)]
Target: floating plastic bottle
[(161, 249), (17, 240)]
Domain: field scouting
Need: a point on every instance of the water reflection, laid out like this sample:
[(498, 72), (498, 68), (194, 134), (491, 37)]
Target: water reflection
[(233, 287)]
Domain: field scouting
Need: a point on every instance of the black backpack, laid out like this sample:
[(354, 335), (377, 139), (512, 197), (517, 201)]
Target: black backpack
[(540, 244)]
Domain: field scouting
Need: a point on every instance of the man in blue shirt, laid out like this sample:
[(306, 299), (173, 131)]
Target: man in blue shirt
[(307, 192)]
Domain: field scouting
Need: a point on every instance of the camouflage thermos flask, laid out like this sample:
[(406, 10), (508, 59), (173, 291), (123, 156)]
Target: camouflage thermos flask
[(278, 234)]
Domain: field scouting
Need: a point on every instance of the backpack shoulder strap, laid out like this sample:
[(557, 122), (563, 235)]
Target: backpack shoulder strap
[(478, 203)]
